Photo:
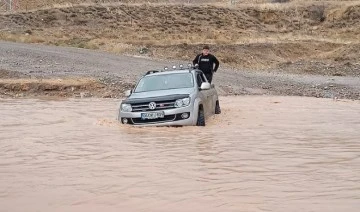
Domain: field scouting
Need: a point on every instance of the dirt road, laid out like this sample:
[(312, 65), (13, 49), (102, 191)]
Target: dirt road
[(40, 61)]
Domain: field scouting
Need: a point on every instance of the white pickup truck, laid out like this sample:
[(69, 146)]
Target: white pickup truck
[(170, 97)]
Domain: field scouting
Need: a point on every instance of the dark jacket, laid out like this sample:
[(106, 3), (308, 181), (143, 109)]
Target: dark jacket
[(206, 63)]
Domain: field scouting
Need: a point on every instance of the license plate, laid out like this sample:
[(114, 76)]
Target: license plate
[(154, 115)]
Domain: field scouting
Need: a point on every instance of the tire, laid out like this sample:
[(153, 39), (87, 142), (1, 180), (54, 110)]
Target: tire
[(201, 118), (217, 108)]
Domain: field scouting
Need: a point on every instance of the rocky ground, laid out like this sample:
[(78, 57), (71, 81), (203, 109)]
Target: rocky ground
[(33, 70)]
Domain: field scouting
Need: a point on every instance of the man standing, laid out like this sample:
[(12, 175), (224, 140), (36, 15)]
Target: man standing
[(206, 62)]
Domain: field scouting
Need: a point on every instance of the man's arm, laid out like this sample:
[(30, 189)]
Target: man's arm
[(216, 61), (195, 61)]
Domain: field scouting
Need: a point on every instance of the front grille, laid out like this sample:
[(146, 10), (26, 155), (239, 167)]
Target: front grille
[(163, 105), (167, 118), (149, 121)]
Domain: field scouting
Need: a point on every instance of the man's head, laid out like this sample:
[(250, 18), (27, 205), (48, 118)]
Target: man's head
[(205, 50)]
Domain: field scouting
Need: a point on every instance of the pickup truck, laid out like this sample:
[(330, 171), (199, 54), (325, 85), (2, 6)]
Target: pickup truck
[(178, 97)]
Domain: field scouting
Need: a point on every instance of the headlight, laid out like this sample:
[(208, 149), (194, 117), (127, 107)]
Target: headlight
[(179, 103), (126, 107), (182, 102), (186, 101)]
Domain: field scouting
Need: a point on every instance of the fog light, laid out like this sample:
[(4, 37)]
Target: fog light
[(125, 120), (185, 115)]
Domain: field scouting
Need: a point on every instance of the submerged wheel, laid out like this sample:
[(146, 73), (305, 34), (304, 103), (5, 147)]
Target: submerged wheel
[(217, 108), (201, 118)]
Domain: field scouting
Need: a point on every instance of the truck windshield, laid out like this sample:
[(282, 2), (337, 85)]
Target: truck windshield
[(165, 82)]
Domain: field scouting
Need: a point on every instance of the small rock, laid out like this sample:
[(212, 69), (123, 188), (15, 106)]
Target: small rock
[(143, 50), (28, 32), (85, 94), (107, 95), (326, 88)]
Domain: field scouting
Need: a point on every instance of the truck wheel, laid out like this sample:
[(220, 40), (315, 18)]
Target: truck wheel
[(217, 108), (201, 118)]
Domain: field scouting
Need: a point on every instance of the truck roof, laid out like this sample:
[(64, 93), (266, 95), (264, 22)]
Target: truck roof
[(163, 72)]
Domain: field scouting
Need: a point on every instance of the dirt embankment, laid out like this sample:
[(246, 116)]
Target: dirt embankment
[(16, 84), (311, 38)]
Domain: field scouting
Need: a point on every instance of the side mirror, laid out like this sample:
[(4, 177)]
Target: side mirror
[(205, 86), (127, 93)]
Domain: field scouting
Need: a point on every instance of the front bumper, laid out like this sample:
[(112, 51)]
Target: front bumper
[(172, 118)]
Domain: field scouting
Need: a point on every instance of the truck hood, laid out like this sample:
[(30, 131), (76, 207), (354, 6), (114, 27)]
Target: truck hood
[(152, 94), (163, 95)]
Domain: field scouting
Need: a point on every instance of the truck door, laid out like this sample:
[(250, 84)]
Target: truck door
[(206, 94)]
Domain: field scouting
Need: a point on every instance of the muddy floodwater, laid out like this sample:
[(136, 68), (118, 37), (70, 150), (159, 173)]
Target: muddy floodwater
[(281, 154)]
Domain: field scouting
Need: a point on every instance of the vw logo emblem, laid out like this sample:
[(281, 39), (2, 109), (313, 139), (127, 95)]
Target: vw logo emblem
[(152, 105)]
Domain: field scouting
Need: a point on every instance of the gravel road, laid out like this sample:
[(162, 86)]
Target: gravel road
[(37, 60)]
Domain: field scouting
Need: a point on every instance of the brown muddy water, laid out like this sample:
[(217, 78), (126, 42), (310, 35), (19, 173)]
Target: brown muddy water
[(262, 154)]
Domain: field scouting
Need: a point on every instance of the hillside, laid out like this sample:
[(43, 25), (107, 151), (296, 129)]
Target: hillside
[(311, 37)]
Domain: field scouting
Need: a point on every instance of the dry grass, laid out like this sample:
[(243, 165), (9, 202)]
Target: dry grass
[(24, 38), (257, 33), (268, 4)]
